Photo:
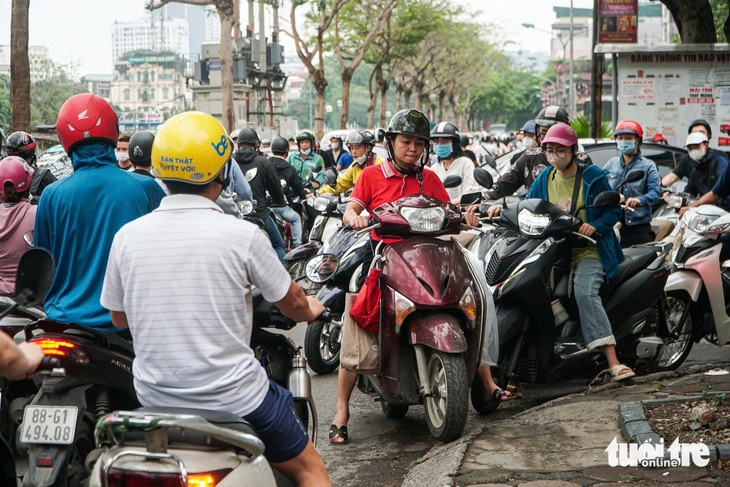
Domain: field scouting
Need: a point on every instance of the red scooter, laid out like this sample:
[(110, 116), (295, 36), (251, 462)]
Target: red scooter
[(435, 315)]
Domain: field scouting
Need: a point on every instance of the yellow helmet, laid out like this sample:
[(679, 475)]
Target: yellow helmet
[(191, 147)]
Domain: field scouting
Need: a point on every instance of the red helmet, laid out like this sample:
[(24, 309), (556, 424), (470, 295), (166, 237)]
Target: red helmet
[(86, 117), (629, 127), (20, 144), (561, 134), (17, 172)]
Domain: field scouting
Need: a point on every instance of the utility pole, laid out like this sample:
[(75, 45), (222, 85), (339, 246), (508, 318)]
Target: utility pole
[(596, 78)]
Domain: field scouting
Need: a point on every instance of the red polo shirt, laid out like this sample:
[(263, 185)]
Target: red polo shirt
[(382, 184)]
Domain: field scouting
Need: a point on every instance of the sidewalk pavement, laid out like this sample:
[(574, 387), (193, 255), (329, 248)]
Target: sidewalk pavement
[(562, 443)]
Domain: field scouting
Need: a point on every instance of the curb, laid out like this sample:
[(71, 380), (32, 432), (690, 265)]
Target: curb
[(636, 427)]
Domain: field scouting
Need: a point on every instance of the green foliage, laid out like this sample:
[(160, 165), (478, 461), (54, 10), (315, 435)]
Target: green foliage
[(48, 95), (720, 13), (5, 102), (582, 127)]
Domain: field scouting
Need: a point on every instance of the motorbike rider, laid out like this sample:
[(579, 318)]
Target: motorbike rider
[(78, 216), (685, 165), (360, 143), (527, 142), (23, 145), (530, 164), (17, 217), (446, 144), (379, 147), (292, 187), (305, 158), (407, 141), (210, 302), (712, 164), (122, 152), (337, 152), (640, 196), (262, 178), (590, 264)]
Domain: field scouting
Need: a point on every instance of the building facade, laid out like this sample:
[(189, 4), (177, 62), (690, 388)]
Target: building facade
[(151, 34)]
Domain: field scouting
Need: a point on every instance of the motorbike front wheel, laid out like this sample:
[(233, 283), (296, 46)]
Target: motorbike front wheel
[(322, 347), (678, 343), (446, 405)]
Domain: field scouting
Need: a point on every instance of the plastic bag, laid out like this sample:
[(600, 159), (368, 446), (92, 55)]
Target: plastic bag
[(366, 308)]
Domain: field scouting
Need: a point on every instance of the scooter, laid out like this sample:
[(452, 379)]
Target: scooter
[(700, 281), (433, 314), (527, 271), (346, 249)]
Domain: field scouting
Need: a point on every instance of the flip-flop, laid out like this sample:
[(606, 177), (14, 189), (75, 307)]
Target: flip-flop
[(498, 395), (341, 432)]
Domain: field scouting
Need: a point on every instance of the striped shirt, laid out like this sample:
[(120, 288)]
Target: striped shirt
[(183, 276)]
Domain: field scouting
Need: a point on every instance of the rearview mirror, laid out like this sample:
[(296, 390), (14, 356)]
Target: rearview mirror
[(607, 199), (483, 177), (634, 175), (452, 181), (331, 178), (321, 267), (491, 161), (470, 198)]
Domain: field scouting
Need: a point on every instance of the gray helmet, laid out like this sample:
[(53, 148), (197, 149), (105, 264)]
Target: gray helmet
[(247, 136), (551, 115), (447, 130), (409, 122), (530, 127), (360, 137), (280, 145), (140, 148)]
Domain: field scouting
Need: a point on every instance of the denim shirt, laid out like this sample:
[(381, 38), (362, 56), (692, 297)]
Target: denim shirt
[(647, 190)]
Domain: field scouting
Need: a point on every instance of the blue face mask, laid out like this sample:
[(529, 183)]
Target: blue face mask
[(626, 147), (442, 150)]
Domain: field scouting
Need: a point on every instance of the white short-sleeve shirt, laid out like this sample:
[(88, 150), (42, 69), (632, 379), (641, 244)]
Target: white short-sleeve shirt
[(183, 276)]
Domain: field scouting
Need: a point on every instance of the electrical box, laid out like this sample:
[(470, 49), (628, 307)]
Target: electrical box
[(274, 56), (201, 72), (240, 70)]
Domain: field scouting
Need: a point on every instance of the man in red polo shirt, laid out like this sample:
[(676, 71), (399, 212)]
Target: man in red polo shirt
[(407, 137)]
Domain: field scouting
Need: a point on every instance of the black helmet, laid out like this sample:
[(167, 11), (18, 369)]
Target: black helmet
[(305, 135), (140, 148), (247, 136), (447, 130), (551, 115), (409, 122), (20, 144), (463, 140), (699, 121), (379, 135), (280, 146)]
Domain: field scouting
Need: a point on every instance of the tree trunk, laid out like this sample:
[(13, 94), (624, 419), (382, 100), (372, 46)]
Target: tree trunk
[(227, 113), (384, 85), (19, 67), (320, 85), (407, 92), (373, 87), (398, 97), (345, 109), (694, 20), (440, 108)]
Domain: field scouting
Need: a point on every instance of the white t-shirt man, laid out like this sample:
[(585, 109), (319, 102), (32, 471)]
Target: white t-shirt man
[(463, 167), (183, 276)]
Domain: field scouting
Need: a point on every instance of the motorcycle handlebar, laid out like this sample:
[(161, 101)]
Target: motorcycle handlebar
[(49, 363), (326, 316)]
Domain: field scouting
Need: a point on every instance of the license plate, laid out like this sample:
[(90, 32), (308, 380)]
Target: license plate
[(54, 425)]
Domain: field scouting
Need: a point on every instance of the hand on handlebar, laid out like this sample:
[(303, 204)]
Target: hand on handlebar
[(359, 222), (316, 308), (587, 230), (632, 202), (470, 216), (494, 211)]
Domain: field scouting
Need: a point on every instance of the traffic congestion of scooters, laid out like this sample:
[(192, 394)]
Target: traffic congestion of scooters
[(424, 281)]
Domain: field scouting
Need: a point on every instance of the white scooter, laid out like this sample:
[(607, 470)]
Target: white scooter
[(699, 288)]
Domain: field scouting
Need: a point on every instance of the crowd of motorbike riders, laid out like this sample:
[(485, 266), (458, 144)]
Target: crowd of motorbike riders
[(124, 227)]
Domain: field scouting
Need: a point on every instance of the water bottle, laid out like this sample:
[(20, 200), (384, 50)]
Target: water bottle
[(300, 383)]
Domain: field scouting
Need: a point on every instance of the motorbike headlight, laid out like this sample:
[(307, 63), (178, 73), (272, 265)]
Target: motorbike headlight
[(320, 203), (424, 220), (701, 223), (403, 307), (675, 201), (468, 304), (532, 223)]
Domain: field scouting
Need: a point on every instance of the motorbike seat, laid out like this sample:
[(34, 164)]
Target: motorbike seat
[(217, 418), (636, 259)]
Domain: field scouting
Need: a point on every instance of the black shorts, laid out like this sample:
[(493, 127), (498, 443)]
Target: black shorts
[(282, 432)]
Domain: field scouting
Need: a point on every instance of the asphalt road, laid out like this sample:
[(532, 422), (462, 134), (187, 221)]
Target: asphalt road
[(380, 449)]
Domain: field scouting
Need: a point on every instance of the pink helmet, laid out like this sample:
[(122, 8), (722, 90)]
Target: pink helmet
[(17, 172), (561, 134)]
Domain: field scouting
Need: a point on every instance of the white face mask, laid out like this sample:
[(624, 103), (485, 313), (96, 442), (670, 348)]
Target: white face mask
[(335, 146), (360, 160), (528, 143), (122, 156), (697, 154)]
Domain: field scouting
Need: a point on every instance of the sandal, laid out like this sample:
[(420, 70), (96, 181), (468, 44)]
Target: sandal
[(617, 376), (498, 395), (341, 432)]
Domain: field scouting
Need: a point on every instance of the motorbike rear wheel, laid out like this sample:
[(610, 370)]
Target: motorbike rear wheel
[(447, 403), (679, 342), (322, 347)]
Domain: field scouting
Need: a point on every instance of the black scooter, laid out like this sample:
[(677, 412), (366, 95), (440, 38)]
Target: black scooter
[(527, 269)]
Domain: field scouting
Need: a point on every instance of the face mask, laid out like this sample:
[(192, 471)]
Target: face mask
[(697, 154), (442, 150), (626, 147), (305, 152), (360, 160), (122, 157), (335, 146), (528, 143)]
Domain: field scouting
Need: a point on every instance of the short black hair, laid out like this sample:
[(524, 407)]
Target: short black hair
[(181, 187)]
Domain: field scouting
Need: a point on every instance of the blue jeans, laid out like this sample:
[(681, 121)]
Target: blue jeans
[(275, 237), (588, 275), (291, 216)]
